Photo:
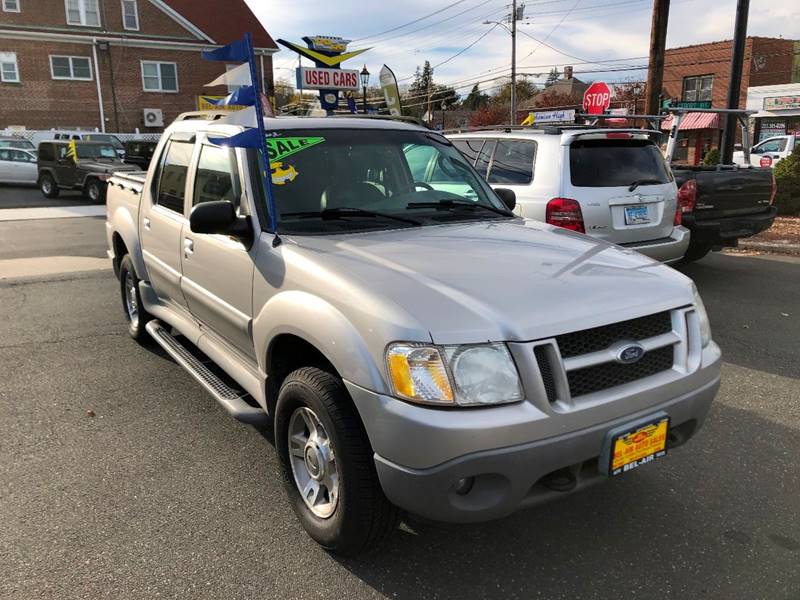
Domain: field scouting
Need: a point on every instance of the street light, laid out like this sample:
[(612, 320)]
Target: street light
[(364, 83)]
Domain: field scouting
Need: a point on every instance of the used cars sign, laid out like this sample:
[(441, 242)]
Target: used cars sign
[(328, 79)]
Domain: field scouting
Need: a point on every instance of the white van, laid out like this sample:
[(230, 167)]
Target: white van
[(769, 152), (611, 184)]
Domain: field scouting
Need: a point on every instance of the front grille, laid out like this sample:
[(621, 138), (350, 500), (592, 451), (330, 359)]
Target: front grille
[(600, 338), (607, 375), (547, 372)]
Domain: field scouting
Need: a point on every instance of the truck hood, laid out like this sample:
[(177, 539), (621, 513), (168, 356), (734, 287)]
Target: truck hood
[(514, 280), (97, 166)]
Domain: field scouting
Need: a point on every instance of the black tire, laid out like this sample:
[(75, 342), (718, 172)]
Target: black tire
[(137, 321), (363, 516), (696, 251), (48, 186), (95, 191)]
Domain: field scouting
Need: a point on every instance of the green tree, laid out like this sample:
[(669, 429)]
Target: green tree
[(787, 178), (552, 77), (476, 99), (525, 91), (423, 88)]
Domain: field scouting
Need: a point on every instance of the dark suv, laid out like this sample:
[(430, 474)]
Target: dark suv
[(77, 165)]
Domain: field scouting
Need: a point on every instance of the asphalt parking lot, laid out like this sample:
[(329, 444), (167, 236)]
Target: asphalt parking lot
[(161, 494)]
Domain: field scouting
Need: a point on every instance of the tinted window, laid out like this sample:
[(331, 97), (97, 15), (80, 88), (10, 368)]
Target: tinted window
[(513, 163), (469, 148), (46, 152), (217, 176), (5, 154), (616, 163), (484, 156), (172, 183)]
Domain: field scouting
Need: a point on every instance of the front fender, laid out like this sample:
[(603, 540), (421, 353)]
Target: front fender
[(323, 326)]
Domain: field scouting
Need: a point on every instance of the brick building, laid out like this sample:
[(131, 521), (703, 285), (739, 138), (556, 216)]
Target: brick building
[(701, 73), (102, 63)]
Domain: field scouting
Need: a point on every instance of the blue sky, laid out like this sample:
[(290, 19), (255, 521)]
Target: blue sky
[(601, 39)]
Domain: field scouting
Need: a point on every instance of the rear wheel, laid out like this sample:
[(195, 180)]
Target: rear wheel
[(48, 186), (696, 251), (328, 467), (134, 310), (94, 191)]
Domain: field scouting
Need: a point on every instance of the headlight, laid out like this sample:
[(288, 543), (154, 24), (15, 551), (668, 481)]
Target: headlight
[(705, 325), (454, 375)]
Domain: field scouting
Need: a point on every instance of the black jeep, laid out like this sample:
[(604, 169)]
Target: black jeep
[(78, 165)]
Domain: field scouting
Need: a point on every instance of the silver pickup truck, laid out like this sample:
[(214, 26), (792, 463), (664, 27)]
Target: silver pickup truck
[(416, 348)]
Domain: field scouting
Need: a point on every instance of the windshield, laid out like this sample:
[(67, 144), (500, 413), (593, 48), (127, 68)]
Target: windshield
[(95, 151), (102, 137), (22, 144), (616, 162), (339, 180)]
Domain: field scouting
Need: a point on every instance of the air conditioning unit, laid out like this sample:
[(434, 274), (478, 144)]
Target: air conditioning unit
[(153, 117)]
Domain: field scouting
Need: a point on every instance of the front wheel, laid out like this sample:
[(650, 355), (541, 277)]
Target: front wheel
[(134, 310), (94, 191), (328, 468), (48, 186)]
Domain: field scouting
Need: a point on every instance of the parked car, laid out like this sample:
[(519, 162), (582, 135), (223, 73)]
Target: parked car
[(139, 153), (769, 152), (86, 136), (418, 349), (87, 169), (611, 184), (722, 204), (17, 166), (12, 141)]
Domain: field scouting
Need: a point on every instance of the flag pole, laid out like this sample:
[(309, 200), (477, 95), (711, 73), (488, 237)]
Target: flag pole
[(262, 140)]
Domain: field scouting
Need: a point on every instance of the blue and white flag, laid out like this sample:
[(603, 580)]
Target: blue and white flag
[(237, 51), (244, 96), (237, 76), (249, 138)]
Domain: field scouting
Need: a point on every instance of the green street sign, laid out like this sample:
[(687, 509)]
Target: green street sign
[(685, 104)]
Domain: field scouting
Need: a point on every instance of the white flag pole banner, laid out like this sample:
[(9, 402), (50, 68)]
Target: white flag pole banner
[(245, 117), (237, 76)]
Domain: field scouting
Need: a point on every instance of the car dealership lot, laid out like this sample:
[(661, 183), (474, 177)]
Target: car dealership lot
[(161, 493)]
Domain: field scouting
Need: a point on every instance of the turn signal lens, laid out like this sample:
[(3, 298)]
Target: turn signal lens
[(566, 213), (418, 373)]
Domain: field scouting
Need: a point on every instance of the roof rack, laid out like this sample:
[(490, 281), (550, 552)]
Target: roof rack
[(405, 118), (203, 115), (554, 129)]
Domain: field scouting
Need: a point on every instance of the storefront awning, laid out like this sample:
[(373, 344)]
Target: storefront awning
[(694, 120)]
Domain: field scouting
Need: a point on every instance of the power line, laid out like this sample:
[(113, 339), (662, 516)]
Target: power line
[(434, 13)]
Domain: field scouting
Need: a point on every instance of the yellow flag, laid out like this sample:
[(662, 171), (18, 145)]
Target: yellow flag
[(72, 152)]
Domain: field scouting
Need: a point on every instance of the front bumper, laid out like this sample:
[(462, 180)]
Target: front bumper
[(665, 250), (422, 453), (725, 231)]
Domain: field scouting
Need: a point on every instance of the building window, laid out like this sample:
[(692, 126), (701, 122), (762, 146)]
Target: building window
[(130, 15), (71, 67), (83, 12), (697, 89), (159, 76), (9, 72), (11, 5)]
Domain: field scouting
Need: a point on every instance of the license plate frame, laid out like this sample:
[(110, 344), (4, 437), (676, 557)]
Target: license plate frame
[(653, 431), (637, 215)]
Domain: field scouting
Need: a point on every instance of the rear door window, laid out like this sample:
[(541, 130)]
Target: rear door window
[(172, 183), (616, 163), (512, 163)]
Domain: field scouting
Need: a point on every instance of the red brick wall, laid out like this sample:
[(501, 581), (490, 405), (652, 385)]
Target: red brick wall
[(771, 61), (52, 13), (39, 102)]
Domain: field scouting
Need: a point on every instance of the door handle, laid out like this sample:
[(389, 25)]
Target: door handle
[(146, 222), (188, 247)]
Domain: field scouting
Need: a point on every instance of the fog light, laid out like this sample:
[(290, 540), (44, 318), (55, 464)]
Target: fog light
[(464, 485)]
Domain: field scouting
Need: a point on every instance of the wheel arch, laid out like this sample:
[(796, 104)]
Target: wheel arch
[(126, 236)]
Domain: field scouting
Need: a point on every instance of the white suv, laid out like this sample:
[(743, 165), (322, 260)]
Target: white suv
[(612, 184)]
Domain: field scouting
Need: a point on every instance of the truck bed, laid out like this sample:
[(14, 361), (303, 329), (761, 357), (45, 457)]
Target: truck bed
[(727, 190)]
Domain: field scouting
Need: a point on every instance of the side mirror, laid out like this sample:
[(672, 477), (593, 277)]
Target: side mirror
[(219, 217), (755, 150), (508, 197)]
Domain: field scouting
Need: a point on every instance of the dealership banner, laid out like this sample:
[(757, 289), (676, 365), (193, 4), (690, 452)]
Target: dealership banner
[(210, 103), (312, 78), (782, 103), (391, 92), (550, 116)]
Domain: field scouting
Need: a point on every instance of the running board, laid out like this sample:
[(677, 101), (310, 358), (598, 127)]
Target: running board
[(231, 400)]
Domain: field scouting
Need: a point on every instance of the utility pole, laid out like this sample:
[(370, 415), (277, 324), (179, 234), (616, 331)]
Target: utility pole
[(655, 67), (514, 62), (735, 86)]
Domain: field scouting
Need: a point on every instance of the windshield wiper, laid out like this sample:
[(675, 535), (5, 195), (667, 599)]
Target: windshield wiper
[(639, 182), (347, 211), (445, 204)]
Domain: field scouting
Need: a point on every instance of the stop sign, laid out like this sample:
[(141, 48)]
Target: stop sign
[(597, 98)]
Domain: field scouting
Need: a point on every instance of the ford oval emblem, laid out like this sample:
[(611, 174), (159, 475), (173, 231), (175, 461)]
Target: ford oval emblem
[(630, 354)]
